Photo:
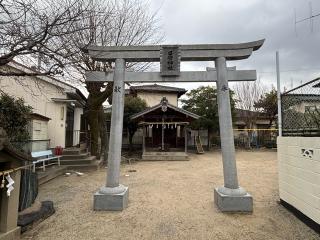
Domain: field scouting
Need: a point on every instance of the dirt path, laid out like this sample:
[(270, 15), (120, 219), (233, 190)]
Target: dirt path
[(172, 200)]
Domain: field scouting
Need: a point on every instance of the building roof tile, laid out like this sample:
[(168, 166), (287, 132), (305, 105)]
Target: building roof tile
[(158, 88)]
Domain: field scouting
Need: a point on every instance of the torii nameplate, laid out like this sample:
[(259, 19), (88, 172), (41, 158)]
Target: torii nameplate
[(170, 61)]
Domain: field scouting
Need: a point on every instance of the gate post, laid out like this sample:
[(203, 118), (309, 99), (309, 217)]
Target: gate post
[(230, 197), (114, 196)]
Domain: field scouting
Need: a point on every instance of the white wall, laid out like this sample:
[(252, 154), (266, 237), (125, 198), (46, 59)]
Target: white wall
[(299, 174), (39, 131), (38, 93), (154, 98), (57, 125), (76, 125)]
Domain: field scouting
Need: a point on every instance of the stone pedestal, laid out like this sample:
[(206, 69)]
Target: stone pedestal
[(13, 234), (112, 199), (233, 200)]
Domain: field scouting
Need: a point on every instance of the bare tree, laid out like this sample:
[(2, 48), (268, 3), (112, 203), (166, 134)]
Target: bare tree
[(56, 32), (247, 94), (110, 23), (32, 28)]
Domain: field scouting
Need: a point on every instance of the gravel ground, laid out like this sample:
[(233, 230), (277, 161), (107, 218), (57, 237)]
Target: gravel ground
[(172, 200)]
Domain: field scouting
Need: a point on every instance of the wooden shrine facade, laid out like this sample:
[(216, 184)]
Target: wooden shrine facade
[(164, 127)]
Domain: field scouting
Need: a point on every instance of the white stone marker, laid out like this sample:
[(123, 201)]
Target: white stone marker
[(230, 197), (114, 196)]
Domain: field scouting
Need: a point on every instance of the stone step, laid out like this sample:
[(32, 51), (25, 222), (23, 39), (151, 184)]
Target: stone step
[(50, 173), (87, 160), (75, 157), (95, 165), (83, 146), (74, 151), (164, 158)]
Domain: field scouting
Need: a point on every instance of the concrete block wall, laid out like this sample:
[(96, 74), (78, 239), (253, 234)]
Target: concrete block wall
[(299, 174)]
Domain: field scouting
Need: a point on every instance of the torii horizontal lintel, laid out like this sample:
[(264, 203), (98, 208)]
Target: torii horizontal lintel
[(195, 52), (186, 76)]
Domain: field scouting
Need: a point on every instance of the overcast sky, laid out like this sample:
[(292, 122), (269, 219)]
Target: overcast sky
[(235, 21)]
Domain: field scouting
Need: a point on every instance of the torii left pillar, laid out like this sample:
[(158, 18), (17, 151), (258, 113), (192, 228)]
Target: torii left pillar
[(114, 196)]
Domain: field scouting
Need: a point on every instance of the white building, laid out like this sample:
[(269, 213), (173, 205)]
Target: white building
[(57, 107), (154, 93)]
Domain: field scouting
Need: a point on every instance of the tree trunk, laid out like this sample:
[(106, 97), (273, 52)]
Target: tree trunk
[(208, 142), (250, 134), (102, 130), (95, 112), (94, 132), (249, 139), (130, 142), (270, 122)]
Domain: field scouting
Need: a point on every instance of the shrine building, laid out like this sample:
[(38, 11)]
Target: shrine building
[(163, 126)]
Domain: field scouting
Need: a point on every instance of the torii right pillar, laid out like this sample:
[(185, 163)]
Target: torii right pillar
[(230, 197)]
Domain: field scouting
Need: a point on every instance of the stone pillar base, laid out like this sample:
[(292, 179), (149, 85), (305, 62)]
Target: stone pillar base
[(227, 201), (111, 199), (13, 234)]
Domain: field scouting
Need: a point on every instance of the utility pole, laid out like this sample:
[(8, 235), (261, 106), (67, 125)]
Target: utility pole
[(279, 95)]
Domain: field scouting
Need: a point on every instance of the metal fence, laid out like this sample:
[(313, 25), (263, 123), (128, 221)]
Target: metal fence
[(301, 110), (263, 138), (75, 137)]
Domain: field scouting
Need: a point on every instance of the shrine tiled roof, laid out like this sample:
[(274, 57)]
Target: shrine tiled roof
[(158, 88), (177, 109)]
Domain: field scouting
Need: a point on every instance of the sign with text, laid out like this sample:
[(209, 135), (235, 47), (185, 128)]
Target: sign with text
[(170, 61)]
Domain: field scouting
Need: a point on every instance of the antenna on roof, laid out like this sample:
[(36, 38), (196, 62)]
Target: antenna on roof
[(310, 18), (295, 22)]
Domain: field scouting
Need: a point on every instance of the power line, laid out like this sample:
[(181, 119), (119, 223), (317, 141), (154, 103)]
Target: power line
[(311, 17), (304, 19), (295, 70)]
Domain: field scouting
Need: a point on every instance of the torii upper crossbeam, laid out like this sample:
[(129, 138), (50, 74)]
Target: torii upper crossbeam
[(195, 52)]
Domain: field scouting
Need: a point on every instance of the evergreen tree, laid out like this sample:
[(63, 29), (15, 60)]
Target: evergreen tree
[(132, 105), (14, 118), (203, 102)]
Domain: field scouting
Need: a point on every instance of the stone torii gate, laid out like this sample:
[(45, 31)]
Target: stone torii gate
[(230, 197)]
